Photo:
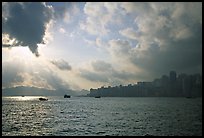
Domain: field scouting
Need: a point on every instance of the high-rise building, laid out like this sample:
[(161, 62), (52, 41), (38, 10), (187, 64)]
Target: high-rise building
[(164, 80), (172, 76)]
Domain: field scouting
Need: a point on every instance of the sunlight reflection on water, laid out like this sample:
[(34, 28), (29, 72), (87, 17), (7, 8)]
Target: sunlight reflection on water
[(22, 98)]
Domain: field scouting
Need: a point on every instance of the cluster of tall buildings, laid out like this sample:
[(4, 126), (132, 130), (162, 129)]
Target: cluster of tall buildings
[(182, 85)]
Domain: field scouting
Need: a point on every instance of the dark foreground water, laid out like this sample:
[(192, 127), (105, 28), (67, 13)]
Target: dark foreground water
[(101, 116)]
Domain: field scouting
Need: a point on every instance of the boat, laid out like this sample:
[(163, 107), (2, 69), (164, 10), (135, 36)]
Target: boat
[(67, 96), (43, 99), (97, 96)]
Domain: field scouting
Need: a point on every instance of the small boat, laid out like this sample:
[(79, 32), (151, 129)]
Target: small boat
[(97, 96), (67, 96), (43, 99)]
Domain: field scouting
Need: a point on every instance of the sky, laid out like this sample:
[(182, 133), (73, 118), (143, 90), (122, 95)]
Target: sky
[(66, 45)]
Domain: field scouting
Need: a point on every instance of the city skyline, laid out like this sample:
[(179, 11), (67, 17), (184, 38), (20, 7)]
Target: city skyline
[(182, 85), (171, 85), (75, 46)]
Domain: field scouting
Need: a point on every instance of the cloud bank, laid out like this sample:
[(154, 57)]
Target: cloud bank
[(163, 37)]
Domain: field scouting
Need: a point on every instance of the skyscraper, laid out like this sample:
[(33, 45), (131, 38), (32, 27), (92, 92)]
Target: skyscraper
[(172, 76)]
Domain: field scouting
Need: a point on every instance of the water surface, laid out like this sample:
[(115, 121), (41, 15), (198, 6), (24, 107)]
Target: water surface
[(112, 116)]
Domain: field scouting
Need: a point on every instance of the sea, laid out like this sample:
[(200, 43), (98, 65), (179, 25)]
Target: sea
[(105, 116)]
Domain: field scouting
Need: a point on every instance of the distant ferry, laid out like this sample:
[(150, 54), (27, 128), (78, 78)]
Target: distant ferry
[(67, 96), (97, 96), (43, 99)]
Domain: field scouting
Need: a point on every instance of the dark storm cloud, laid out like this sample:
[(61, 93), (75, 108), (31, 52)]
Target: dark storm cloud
[(26, 22), (61, 64)]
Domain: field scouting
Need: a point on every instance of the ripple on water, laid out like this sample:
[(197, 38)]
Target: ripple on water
[(113, 116)]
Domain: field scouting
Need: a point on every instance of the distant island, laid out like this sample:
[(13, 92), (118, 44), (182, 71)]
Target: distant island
[(34, 91), (167, 86)]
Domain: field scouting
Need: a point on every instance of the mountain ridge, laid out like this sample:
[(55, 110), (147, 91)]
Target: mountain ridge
[(34, 91)]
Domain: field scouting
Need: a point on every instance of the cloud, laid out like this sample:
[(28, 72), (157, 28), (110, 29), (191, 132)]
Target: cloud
[(129, 33), (98, 43), (71, 12), (101, 66), (38, 75), (10, 74), (106, 74), (97, 18), (93, 76), (89, 42), (54, 80), (181, 55), (62, 30), (26, 23), (136, 7), (61, 64), (119, 48), (65, 11), (168, 37), (32, 80)]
